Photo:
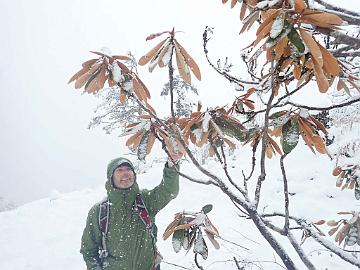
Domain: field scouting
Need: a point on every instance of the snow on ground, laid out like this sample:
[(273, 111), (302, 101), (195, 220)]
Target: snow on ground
[(45, 234)]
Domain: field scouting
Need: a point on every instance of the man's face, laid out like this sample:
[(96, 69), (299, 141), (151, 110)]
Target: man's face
[(123, 177)]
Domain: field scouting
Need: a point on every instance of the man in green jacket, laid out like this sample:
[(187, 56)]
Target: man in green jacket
[(128, 243)]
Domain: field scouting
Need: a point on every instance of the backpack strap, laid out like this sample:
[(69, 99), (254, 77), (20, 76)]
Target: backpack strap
[(144, 215), (103, 224), (141, 209)]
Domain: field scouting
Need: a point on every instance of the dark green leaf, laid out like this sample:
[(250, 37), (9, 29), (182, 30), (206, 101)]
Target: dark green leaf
[(186, 242), (234, 131), (193, 127), (296, 40), (290, 132), (357, 191), (207, 208), (178, 239)]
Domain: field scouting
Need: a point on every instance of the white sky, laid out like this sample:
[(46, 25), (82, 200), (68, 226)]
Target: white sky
[(44, 139)]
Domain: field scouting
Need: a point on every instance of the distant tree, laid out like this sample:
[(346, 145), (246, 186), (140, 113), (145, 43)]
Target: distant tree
[(111, 114), (183, 105), (6, 205), (296, 43)]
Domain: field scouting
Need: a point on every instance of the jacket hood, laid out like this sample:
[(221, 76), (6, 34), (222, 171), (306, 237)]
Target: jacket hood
[(113, 164), (127, 196)]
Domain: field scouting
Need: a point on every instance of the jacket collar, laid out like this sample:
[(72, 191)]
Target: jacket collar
[(122, 197)]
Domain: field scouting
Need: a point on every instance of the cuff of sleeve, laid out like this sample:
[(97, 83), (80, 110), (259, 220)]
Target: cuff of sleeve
[(171, 165)]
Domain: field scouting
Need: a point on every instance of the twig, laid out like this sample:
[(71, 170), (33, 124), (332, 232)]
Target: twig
[(237, 264), (228, 175), (173, 264), (232, 243), (278, 102), (253, 158), (293, 91), (222, 73), (241, 210), (247, 237), (171, 77), (294, 243), (286, 194), (196, 262), (262, 175), (198, 181)]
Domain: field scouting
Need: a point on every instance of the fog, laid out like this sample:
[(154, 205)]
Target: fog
[(44, 140), (45, 143)]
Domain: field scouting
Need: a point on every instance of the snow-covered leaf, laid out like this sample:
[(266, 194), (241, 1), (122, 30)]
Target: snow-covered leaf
[(200, 246), (277, 26), (177, 240), (290, 132), (205, 122), (296, 40), (199, 219)]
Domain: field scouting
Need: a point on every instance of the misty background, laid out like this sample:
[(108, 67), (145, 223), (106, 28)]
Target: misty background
[(44, 141)]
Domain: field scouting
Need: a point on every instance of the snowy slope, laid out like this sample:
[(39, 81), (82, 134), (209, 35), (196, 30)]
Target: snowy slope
[(45, 234)]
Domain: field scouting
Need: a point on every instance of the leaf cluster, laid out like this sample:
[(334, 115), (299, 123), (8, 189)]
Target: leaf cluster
[(187, 229)]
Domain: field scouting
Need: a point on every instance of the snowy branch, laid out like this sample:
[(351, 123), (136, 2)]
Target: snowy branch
[(349, 16), (310, 108), (300, 251), (306, 225), (262, 175), (229, 77)]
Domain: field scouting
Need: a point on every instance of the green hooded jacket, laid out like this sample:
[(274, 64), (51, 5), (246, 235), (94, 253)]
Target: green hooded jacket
[(128, 243)]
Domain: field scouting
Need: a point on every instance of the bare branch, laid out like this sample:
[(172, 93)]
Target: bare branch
[(246, 215), (196, 262), (262, 175), (278, 102), (327, 244), (229, 177), (176, 265), (171, 78), (232, 242), (305, 224), (198, 181), (237, 264), (300, 251), (222, 73)]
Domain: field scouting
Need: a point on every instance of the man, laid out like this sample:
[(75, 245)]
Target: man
[(129, 244)]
